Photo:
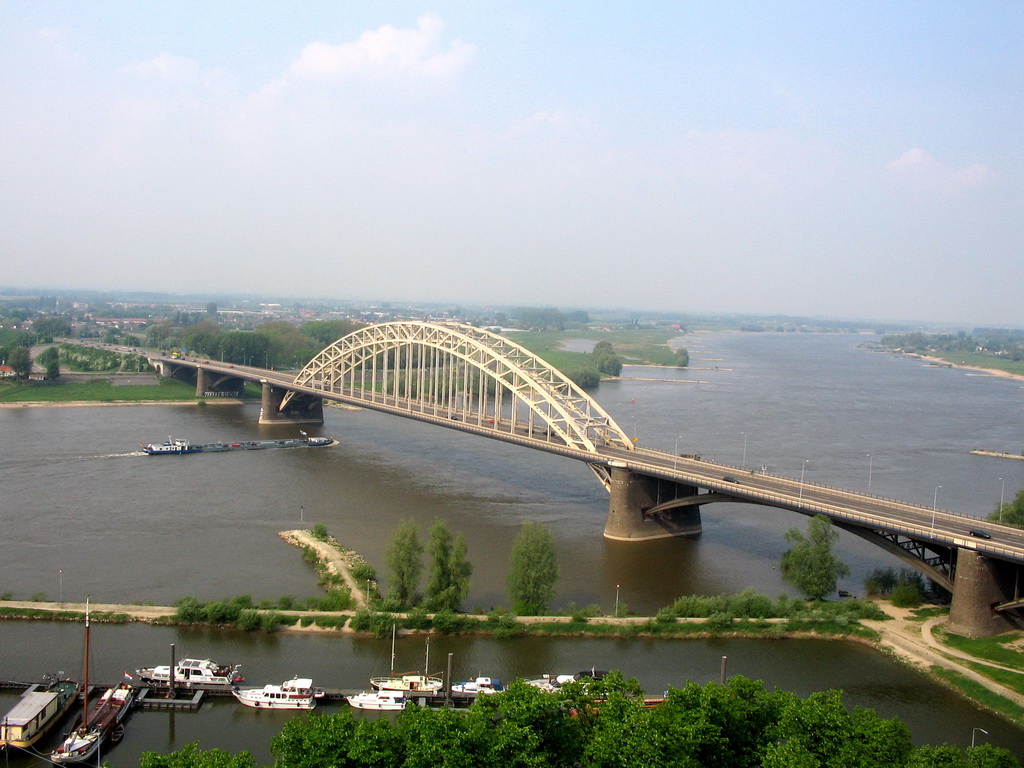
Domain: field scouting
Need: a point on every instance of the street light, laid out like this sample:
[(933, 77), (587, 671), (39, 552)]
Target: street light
[(743, 464), (802, 468), (616, 601), (675, 456), (870, 461), (1002, 491), (974, 732), (935, 502)]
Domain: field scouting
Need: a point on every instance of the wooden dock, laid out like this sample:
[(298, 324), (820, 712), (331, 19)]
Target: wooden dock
[(150, 699)]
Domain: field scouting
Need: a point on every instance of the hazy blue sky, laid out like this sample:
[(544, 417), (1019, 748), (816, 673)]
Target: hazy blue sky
[(850, 159)]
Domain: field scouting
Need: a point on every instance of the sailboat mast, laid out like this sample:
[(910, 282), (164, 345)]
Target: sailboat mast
[(85, 687), (426, 661), (393, 630)]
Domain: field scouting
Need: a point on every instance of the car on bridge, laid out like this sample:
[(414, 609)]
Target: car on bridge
[(979, 533)]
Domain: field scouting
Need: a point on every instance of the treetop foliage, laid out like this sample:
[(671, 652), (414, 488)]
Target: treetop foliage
[(810, 565), (606, 723)]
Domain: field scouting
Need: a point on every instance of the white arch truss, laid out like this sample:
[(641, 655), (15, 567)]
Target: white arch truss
[(458, 372)]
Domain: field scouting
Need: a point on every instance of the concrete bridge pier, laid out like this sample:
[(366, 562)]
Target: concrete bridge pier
[(979, 585), (633, 508), (301, 409), (210, 384)]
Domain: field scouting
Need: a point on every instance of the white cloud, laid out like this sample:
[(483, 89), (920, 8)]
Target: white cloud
[(918, 171), (385, 51), (546, 120), (167, 67)]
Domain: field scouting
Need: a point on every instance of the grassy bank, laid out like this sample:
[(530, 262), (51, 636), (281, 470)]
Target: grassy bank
[(639, 346), (102, 391)]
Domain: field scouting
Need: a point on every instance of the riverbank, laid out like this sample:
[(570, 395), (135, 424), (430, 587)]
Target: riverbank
[(905, 635)]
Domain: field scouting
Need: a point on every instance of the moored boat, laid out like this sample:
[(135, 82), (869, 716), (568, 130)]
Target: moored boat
[(102, 721), (36, 712), (97, 723), (193, 673), (297, 693), (409, 681), (378, 700), (481, 685)]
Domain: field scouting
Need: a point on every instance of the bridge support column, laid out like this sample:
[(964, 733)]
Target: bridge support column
[(979, 585), (302, 409), (633, 494), (200, 382)]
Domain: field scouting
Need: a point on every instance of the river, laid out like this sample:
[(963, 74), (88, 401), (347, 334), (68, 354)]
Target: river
[(123, 527)]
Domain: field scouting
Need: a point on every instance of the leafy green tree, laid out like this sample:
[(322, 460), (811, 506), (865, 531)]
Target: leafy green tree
[(325, 332), (1011, 513), (810, 564), (448, 584), (20, 360), (403, 557), (191, 756), (533, 571), (682, 357)]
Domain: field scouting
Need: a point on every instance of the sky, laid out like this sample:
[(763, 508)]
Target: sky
[(821, 158)]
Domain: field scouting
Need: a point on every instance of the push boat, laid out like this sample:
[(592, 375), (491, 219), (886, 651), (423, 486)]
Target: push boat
[(297, 693), (193, 673), (36, 711), (175, 446), (379, 700)]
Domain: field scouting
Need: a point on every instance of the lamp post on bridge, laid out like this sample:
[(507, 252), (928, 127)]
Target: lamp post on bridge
[(675, 455), (870, 461), (743, 464), (1002, 491), (802, 468), (935, 504)]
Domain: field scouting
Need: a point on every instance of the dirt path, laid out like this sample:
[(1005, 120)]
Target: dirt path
[(913, 642), (335, 560)]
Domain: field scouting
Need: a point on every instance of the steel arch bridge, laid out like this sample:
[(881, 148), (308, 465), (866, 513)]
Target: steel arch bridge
[(459, 372)]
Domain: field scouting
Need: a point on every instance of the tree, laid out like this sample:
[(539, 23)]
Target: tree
[(191, 756), (810, 565), (448, 585), (682, 357), (403, 558), (533, 571), (20, 360), (1010, 514)]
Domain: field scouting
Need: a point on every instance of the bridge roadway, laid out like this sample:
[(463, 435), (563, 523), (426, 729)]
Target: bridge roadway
[(857, 510)]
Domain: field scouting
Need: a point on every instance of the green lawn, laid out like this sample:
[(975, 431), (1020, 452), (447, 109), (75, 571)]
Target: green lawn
[(98, 391), (634, 346), (982, 361)]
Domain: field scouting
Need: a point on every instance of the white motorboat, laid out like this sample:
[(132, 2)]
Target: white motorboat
[(481, 685), (190, 673), (297, 693), (378, 700)]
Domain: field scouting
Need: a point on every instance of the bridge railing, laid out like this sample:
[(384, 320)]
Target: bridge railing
[(804, 505)]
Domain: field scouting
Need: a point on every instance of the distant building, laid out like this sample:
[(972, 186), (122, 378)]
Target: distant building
[(6, 372)]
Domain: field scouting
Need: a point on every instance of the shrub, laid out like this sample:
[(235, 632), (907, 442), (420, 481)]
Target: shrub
[(248, 619), (39, 597), (363, 572), (418, 618), (447, 622), (189, 610), (719, 622), (271, 621), (7, 596), (285, 602), (320, 532), (222, 612), (907, 595)]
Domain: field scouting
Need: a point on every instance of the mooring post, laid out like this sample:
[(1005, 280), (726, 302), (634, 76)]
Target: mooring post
[(170, 676), (448, 682), (721, 678)]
